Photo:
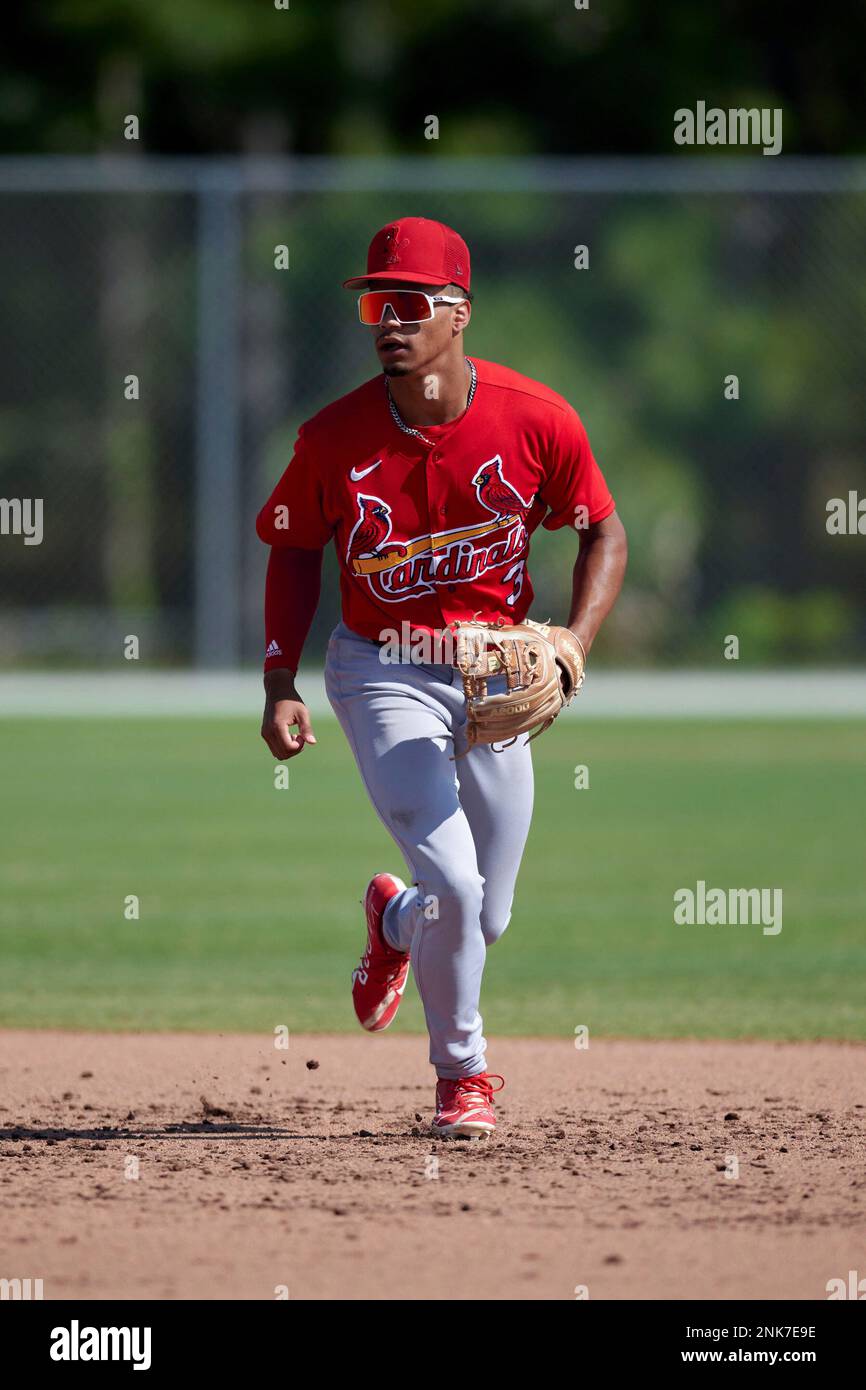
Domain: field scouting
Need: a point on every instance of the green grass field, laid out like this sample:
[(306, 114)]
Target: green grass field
[(249, 896)]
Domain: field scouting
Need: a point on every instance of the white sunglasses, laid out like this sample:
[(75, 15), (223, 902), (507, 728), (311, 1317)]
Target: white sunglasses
[(406, 306)]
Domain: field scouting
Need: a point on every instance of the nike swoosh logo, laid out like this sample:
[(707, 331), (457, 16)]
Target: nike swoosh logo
[(356, 474)]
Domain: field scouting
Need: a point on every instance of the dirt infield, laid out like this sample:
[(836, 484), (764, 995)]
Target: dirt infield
[(255, 1171)]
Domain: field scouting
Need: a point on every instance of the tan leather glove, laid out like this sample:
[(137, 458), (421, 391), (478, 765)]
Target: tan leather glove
[(543, 667)]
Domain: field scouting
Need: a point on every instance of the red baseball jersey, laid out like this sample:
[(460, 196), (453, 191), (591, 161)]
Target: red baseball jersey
[(432, 529)]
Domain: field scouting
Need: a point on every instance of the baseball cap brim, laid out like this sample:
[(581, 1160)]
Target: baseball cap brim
[(410, 277)]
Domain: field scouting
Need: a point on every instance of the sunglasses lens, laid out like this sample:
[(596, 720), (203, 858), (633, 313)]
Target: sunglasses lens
[(410, 306)]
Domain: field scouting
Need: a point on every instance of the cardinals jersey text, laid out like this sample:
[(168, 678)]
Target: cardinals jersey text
[(431, 532)]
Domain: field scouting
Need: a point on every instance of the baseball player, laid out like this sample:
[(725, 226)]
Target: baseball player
[(430, 479)]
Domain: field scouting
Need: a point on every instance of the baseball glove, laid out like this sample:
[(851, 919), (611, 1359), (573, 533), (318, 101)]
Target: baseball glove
[(543, 667)]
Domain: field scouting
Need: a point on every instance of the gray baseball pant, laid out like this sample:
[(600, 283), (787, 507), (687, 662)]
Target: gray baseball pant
[(461, 827)]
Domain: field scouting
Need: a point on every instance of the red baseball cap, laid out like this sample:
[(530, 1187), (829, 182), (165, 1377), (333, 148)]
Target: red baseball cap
[(419, 251)]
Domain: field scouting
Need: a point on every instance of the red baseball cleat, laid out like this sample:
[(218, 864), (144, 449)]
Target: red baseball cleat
[(465, 1106), (378, 982)]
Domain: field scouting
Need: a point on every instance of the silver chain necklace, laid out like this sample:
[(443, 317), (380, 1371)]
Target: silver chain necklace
[(407, 429)]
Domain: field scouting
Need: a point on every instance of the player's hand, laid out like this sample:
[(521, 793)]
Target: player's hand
[(284, 709)]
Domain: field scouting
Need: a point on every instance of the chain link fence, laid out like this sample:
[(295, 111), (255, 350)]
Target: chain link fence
[(157, 363)]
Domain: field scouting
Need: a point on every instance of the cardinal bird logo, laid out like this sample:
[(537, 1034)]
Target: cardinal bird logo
[(393, 246), (495, 493), (371, 531)]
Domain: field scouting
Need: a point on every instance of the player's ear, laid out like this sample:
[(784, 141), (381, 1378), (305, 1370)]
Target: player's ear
[(462, 314)]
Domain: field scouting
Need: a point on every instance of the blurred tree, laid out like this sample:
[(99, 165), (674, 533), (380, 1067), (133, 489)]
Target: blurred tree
[(360, 76)]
